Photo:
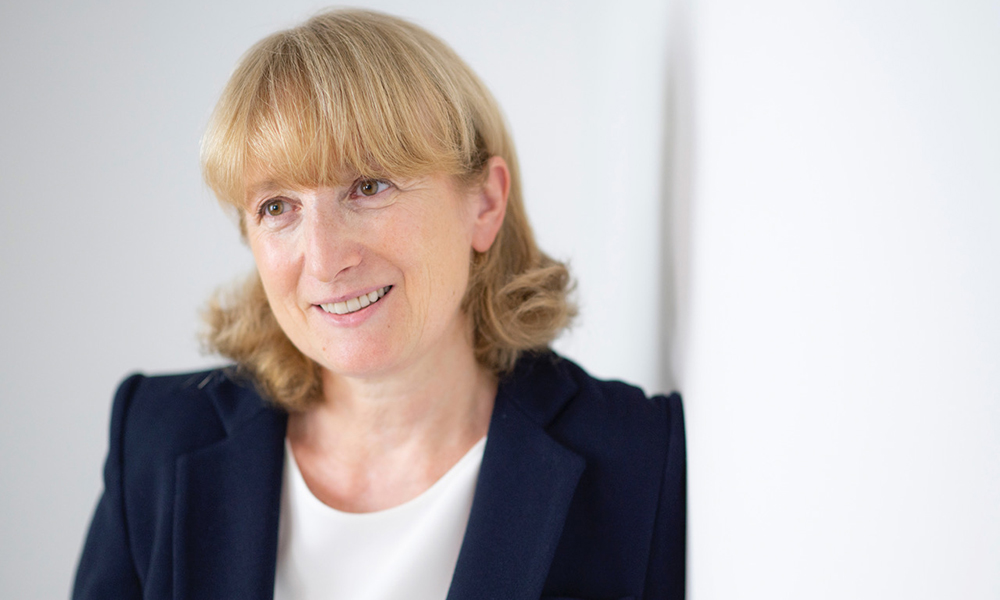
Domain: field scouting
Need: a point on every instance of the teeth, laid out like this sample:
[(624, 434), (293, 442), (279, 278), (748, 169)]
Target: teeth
[(355, 304)]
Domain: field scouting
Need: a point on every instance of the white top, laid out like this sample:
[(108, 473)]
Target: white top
[(408, 551)]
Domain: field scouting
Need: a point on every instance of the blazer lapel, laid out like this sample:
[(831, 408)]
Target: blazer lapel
[(228, 495), (228, 501), (525, 486)]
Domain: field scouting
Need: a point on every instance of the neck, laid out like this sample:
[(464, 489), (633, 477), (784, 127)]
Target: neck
[(375, 443)]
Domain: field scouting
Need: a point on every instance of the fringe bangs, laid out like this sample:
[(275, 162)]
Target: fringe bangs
[(326, 103)]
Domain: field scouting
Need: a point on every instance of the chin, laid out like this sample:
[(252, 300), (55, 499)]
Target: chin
[(361, 364)]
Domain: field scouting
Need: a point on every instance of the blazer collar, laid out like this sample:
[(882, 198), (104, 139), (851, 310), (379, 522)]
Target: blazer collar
[(228, 494), (540, 385), (228, 500), (234, 397), (526, 483)]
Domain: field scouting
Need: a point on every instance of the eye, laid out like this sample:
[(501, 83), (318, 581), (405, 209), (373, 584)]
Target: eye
[(273, 208), (371, 187)]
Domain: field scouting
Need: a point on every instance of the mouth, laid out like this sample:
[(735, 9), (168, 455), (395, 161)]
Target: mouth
[(355, 304)]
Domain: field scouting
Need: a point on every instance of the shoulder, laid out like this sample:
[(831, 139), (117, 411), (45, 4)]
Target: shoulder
[(167, 399), (163, 416), (621, 418), (627, 417), (155, 422), (619, 400), (560, 395), (631, 442)]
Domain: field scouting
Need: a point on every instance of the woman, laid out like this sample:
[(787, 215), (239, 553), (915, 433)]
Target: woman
[(395, 426)]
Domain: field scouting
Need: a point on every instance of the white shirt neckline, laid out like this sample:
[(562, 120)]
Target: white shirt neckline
[(406, 551)]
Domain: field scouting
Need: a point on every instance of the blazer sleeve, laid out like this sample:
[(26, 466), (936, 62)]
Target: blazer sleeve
[(666, 572), (106, 569)]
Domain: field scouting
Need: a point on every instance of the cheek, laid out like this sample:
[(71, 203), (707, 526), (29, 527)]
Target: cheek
[(276, 265), (447, 252), (432, 252)]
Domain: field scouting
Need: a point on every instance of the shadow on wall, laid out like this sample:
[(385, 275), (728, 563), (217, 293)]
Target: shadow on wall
[(675, 197)]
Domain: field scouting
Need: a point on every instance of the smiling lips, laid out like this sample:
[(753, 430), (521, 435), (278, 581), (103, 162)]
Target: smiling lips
[(355, 304)]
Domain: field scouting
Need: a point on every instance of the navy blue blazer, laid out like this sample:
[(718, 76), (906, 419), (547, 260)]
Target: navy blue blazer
[(581, 492)]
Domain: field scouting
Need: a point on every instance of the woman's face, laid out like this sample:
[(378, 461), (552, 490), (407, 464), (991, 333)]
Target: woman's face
[(367, 279)]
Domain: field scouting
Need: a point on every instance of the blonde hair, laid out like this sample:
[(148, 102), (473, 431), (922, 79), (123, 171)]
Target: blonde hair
[(353, 93)]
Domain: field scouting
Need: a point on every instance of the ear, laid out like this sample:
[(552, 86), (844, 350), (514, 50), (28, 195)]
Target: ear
[(491, 204)]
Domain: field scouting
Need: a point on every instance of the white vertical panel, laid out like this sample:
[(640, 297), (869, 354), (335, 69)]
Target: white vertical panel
[(842, 378)]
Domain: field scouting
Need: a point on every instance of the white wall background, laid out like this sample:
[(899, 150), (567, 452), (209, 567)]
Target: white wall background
[(842, 357), (785, 208)]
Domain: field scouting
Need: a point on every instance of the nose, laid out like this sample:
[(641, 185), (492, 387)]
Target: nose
[(331, 248)]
